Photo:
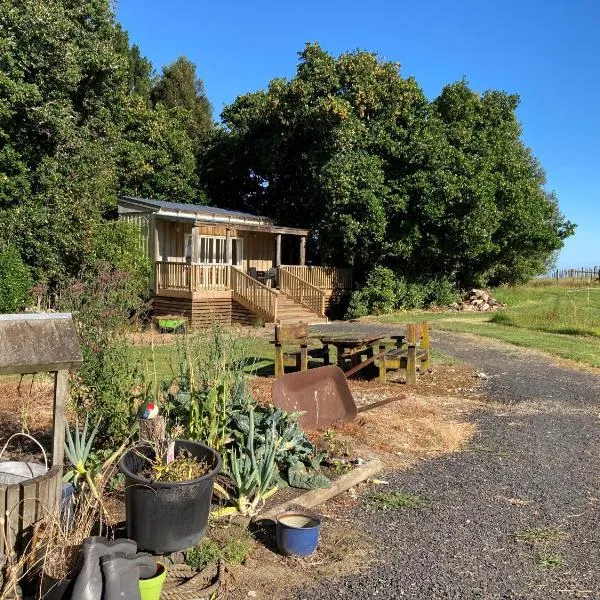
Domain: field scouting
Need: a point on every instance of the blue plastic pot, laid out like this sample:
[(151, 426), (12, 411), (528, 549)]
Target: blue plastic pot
[(297, 533)]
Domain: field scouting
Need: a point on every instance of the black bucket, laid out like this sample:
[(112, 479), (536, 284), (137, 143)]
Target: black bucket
[(167, 517)]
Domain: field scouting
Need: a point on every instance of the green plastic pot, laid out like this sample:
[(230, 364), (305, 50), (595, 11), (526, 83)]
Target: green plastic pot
[(150, 589), (171, 324)]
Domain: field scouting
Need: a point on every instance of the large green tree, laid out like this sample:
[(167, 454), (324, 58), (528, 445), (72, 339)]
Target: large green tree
[(77, 127), (353, 150), (180, 87)]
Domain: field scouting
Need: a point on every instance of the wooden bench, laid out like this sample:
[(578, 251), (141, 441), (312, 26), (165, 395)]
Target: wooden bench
[(296, 334), (406, 355)]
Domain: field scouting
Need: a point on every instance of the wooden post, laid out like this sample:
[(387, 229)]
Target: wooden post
[(411, 365), (302, 250), (278, 251), (228, 253), (303, 357), (426, 364), (326, 355), (60, 397), (382, 364), (279, 370)]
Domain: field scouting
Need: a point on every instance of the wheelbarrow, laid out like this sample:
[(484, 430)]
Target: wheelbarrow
[(322, 395)]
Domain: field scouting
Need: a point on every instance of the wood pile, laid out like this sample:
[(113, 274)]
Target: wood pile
[(478, 300)]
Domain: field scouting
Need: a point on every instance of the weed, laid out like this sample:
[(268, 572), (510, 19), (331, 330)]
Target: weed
[(549, 560), (396, 500), (339, 467), (205, 553), (233, 552), (542, 535)]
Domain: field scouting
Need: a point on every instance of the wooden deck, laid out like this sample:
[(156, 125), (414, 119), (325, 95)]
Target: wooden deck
[(194, 289)]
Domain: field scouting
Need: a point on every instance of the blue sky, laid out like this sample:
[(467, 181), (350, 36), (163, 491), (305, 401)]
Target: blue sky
[(548, 52)]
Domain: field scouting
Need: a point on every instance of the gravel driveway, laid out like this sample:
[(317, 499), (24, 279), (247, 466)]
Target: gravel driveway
[(514, 516)]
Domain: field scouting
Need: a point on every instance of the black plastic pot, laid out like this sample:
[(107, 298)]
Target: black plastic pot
[(167, 517)]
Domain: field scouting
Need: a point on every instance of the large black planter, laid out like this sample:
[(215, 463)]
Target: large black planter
[(167, 517)]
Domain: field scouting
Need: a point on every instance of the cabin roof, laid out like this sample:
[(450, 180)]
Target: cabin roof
[(201, 212), (179, 211)]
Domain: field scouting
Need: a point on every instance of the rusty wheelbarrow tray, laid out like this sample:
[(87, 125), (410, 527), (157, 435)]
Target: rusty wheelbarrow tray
[(323, 396)]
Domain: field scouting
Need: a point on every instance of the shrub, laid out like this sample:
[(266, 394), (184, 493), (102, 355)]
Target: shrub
[(108, 386), (15, 281), (384, 292), (379, 294)]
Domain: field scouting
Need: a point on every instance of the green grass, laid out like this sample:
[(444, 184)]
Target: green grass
[(550, 560), (542, 535), (553, 309), (234, 551), (562, 321), (396, 500)]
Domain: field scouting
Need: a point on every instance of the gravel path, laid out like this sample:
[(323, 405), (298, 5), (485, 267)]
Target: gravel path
[(533, 468)]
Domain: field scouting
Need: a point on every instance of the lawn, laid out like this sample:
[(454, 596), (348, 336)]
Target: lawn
[(560, 320)]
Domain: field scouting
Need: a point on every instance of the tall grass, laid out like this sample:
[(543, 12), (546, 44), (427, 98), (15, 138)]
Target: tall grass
[(554, 309)]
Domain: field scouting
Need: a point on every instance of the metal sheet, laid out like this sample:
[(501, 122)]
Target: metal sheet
[(322, 393)]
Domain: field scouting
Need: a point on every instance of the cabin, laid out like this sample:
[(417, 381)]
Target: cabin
[(212, 264)]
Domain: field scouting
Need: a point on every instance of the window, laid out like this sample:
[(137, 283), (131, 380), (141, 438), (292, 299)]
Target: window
[(213, 250)]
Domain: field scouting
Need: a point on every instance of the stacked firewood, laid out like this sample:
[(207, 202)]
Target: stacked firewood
[(478, 300)]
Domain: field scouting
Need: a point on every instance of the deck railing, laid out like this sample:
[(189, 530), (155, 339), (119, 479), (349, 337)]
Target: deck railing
[(325, 278), (191, 278), (307, 294), (254, 295)]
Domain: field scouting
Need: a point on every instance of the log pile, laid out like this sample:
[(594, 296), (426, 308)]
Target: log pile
[(478, 300)]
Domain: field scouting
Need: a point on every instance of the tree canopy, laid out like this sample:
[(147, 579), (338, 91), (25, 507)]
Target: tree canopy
[(77, 127), (356, 152)]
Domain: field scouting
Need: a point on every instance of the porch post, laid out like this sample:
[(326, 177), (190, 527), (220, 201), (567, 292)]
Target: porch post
[(302, 250), (278, 251), (228, 246), (194, 245)]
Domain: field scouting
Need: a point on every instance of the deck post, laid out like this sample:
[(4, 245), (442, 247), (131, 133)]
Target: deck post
[(278, 251), (302, 250), (228, 246)]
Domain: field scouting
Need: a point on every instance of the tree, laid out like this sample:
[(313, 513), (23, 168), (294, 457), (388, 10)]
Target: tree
[(75, 125), (155, 155), (179, 87), (440, 190), (60, 77)]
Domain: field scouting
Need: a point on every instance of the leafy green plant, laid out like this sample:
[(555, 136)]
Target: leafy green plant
[(208, 383), (253, 471), (78, 449), (297, 460)]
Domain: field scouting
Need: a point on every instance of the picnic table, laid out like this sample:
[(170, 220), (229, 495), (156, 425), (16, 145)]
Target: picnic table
[(353, 341)]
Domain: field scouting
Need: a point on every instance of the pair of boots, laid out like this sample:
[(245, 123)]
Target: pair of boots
[(112, 570)]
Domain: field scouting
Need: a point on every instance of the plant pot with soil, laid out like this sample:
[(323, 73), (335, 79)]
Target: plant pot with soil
[(168, 501)]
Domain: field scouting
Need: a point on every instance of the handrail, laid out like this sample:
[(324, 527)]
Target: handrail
[(307, 294), (325, 278), (254, 295), (191, 277)]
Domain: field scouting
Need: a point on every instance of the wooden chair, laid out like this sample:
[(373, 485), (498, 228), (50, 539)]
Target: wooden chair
[(297, 333), (405, 356)]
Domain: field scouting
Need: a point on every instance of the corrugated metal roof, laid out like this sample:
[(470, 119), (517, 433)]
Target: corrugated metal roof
[(196, 208)]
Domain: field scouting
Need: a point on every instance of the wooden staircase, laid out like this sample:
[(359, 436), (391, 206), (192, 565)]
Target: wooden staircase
[(290, 311)]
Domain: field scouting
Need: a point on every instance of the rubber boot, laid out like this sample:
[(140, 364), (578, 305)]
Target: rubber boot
[(88, 585), (122, 575)]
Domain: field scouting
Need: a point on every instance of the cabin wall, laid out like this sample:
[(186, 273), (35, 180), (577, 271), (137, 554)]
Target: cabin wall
[(259, 250), (171, 240), (259, 247)]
